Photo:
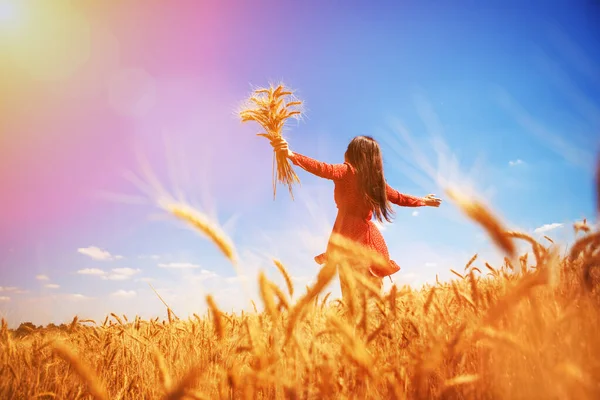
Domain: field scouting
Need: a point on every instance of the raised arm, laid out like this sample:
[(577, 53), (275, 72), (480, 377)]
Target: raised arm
[(403, 200), (319, 168)]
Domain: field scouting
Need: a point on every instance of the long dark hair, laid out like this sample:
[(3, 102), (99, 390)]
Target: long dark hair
[(364, 155)]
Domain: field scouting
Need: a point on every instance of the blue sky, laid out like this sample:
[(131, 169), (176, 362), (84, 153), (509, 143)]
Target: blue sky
[(511, 91)]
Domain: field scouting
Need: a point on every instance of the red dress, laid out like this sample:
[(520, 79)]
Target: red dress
[(353, 220)]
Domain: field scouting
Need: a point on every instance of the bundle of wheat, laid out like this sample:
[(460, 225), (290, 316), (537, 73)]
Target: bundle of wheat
[(271, 108)]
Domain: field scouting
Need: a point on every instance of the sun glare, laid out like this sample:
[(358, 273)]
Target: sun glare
[(49, 41), (9, 13)]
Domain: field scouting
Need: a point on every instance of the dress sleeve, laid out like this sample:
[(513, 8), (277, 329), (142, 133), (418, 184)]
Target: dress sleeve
[(403, 200), (319, 168)]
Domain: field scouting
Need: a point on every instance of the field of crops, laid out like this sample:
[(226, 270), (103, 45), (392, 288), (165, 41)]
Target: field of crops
[(523, 330)]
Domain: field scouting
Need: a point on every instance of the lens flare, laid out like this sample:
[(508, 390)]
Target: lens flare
[(48, 41)]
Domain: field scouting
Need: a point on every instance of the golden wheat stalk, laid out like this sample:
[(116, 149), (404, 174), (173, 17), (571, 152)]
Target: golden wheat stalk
[(582, 244), (267, 294), (286, 276), (367, 284), (480, 214), (283, 302), (500, 337), (474, 290), (324, 301), (271, 108), (345, 249), (348, 278), (217, 317), (471, 261), (510, 300), (181, 389), (392, 299), (538, 249), (202, 223), (353, 347), (457, 274), (325, 276), (592, 262), (169, 310), (163, 371), (115, 316), (86, 374), (429, 300)]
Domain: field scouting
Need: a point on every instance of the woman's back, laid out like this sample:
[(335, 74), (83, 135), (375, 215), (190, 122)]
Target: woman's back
[(349, 197)]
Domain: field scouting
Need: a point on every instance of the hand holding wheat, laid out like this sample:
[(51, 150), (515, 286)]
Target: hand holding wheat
[(271, 108), (280, 145)]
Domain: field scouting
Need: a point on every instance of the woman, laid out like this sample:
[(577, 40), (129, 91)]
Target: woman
[(360, 193)]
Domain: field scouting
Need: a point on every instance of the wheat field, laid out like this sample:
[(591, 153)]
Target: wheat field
[(527, 329)]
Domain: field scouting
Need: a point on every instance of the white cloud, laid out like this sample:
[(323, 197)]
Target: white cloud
[(124, 293), (42, 277), (179, 265), (513, 163), (4, 299), (547, 227), (91, 271), (204, 275), (77, 296), (118, 274), (430, 264), (96, 253), (146, 279), (52, 286), (151, 257), (119, 257), (126, 271), (13, 289), (415, 213), (116, 277)]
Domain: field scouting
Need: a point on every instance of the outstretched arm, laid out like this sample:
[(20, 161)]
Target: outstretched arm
[(319, 168), (403, 200)]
